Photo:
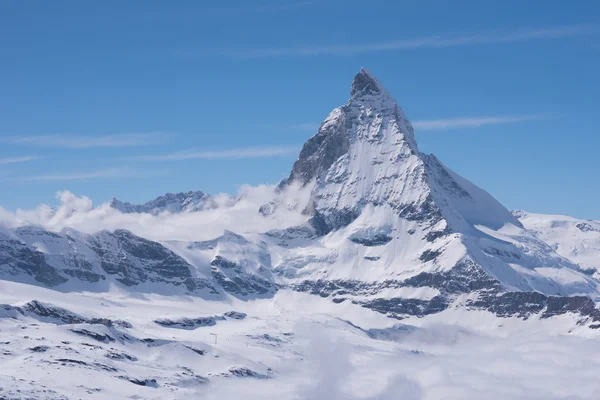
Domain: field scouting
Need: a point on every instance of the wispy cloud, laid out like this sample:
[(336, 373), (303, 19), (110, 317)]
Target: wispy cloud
[(14, 160), (442, 124), (230, 154), (478, 38), (85, 141), (90, 175), (470, 122)]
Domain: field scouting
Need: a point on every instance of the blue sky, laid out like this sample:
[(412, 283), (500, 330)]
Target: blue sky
[(134, 99)]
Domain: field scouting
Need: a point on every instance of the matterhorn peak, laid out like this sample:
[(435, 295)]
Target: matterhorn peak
[(365, 83), (369, 125)]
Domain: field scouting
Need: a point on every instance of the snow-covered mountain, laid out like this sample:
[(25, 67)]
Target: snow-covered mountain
[(399, 232), (575, 239), (170, 202), (381, 232), (388, 227)]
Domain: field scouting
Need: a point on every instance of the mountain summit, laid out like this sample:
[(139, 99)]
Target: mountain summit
[(365, 83), (365, 153)]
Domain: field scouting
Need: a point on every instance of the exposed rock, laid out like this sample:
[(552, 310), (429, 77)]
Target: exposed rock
[(243, 372), (100, 337)]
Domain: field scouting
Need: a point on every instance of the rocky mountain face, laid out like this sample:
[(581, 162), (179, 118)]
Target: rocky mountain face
[(71, 260), (387, 227)]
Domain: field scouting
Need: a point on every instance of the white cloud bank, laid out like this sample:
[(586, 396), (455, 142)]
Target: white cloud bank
[(241, 216)]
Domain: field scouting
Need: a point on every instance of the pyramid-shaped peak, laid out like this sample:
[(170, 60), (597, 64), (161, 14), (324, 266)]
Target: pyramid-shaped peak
[(365, 83)]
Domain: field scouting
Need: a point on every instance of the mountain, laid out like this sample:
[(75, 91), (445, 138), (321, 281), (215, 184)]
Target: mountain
[(71, 260), (387, 227), (575, 239), (170, 202), (401, 233)]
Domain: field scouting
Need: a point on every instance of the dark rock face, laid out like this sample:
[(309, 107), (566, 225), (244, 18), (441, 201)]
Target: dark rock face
[(188, 323), (267, 209), (197, 351), (400, 306), (320, 152), (56, 315), (135, 260), (379, 239), (43, 312), (585, 227), (336, 219), (39, 349), (465, 277), (17, 258), (193, 323), (429, 255), (363, 84), (519, 304), (341, 290), (114, 355), (425, 212), (526, 304), (52, 312), (86, 276), (141, 382), (235, 315), (119, 255), (243, 372), (231, 277), (104, 338)]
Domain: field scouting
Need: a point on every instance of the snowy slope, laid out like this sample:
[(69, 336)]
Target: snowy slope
[(116, 345), (575, 239)]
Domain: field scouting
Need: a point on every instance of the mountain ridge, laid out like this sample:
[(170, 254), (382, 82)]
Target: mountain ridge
[(190, 201)]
